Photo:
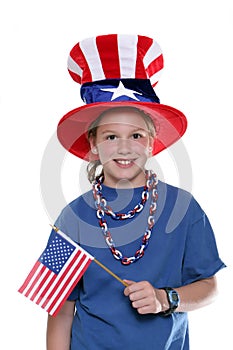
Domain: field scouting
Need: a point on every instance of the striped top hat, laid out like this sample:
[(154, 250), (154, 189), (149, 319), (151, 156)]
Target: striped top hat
[(117, 70)]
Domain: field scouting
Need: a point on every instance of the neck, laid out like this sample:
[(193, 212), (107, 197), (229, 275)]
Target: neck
[(126, 183)]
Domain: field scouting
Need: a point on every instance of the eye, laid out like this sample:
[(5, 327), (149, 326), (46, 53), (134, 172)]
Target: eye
[(111, 137), (136, 136)]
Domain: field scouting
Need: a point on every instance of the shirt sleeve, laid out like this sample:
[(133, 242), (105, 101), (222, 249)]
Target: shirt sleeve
[(74, 295), (201, 258)]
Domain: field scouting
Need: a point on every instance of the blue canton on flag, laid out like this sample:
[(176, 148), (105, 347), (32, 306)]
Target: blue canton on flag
[(57, 253)]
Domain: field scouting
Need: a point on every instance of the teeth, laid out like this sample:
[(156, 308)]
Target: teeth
[(124, 162)]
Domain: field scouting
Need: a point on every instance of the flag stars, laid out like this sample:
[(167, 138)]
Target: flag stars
[(121, 90), (56, 254)]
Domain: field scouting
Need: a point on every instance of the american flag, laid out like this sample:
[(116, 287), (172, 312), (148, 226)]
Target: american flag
[(56, 272)]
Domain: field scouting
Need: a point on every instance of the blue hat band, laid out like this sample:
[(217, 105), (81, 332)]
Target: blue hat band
[(113, 90)]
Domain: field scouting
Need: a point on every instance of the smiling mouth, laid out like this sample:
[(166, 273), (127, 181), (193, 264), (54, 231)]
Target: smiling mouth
[(124, 161)]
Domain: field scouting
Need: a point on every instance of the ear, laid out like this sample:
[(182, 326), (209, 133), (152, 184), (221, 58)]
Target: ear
[(93, 147), (94, 150), (151, 145), (92, 142)]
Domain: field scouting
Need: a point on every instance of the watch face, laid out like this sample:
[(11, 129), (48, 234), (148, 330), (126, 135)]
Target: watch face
[(175, 296)]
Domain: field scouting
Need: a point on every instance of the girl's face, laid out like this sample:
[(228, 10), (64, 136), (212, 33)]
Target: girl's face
[(123, 143)]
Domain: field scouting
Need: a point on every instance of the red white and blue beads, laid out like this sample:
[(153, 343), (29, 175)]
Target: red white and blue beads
[(102, 208)]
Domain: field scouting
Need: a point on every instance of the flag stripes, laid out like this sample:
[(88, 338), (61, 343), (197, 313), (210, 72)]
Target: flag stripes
[(49, 289), (114, 57), (127, 48), (110, 44), (91, 53)]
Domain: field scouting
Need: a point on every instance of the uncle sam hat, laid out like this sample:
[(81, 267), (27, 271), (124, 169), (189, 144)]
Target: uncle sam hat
[(117, 70)]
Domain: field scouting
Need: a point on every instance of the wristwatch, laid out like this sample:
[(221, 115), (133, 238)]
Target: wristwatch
[(173, 300)]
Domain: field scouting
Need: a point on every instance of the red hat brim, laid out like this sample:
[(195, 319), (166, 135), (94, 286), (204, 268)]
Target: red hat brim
[(170, 124)]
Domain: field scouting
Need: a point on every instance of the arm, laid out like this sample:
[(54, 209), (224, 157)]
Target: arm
[(59, 328), (197, 295), (147, 299)]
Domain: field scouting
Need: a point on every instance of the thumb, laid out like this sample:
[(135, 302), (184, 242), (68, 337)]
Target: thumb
[(126, 290), (129, 282)]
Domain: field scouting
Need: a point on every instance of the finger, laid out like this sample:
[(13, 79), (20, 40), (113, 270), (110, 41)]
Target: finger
[(129, 282), (146, 310), (134, 286), (142, 288), (127, 289), (138, 295), (146, 305), (139, 303)]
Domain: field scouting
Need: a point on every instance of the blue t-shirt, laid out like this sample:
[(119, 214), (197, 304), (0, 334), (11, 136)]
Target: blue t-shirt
[(181, 250)]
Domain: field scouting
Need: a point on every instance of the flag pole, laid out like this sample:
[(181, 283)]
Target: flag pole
[(110, 272), (100, 264)]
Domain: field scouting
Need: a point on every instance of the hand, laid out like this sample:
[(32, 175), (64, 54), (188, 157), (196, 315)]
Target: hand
[(145, 298)]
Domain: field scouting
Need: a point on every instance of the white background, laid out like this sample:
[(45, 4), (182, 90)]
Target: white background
[(36, 91)]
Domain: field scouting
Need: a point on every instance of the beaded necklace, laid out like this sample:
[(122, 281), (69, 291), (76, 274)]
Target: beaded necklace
[(102, 208)]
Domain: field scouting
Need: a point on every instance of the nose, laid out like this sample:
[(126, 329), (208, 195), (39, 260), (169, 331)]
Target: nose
[(124, 146)]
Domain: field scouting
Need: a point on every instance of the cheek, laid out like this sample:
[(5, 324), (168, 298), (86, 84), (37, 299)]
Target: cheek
[(142, 144), (106, 149)]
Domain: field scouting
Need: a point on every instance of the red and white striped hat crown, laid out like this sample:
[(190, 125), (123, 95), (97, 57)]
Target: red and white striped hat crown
[(117, 70), (116, 57)]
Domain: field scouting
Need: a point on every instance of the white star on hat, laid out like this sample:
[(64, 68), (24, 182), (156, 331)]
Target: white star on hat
[(122, 91)]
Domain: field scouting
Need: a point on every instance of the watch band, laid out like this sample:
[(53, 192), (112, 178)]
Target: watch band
[(173, 300)]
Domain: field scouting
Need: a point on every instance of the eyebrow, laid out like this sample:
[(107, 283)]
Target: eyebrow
[(133, 131)]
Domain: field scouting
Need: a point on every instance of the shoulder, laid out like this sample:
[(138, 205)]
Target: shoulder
[(178, 205), (172, 196), (79, 204), (69, 218), (173, 191)]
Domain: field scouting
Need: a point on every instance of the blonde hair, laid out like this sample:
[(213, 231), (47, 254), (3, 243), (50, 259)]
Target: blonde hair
[(93, 167)]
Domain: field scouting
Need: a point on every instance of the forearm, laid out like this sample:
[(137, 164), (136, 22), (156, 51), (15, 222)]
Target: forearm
[(147, 299), (197, 294), (59, 328)]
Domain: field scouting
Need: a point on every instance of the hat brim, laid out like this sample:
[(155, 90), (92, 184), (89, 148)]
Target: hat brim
[(170, 125)]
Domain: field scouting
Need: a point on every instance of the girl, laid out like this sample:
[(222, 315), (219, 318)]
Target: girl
[(122, 221)]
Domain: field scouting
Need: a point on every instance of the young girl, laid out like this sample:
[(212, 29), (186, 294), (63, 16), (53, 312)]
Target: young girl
[(123, 221)]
